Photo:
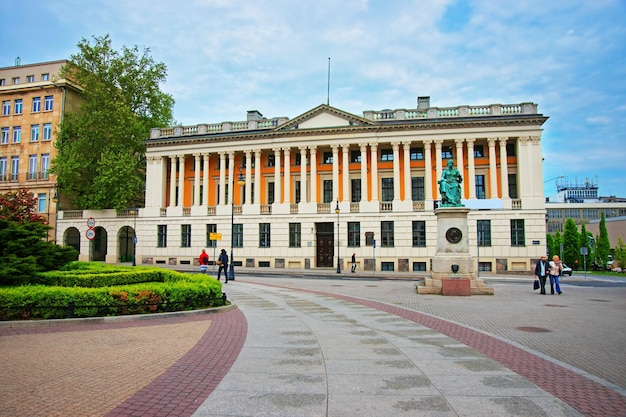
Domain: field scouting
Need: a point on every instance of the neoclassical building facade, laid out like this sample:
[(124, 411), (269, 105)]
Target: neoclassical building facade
[(309, 192)]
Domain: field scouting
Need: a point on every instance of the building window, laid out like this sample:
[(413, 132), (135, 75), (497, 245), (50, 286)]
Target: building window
[(417, 188), (47, 131), (36, 104), (419, 234), (30, 78), (45, 165), (15, 168), (264, 235), (45, 77), (328, 158), (386, 155), (355, 156), (3, 82), (483, 227), (328, 191), (5, 136), (295, 234), (49, 103), (185, 235), (480, 187), (517, 232), (34, 133), (32, 167), (238, 235), (6, 107), (298, 160), (446, 152), (162, 236), (513, 185), (270, 192), (419, 266), (479, 151), (298, 191), (386, 266), (354, 234), (386, 229), (484, 266), (16, 80), (355, 190), (42, 198), (387, 189), (210, 228), (510, 149), (3, 168), (17, 134), (271, 160), (416, 154)]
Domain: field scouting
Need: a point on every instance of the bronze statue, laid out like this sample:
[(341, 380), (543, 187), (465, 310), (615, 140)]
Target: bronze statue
[(450, 186)]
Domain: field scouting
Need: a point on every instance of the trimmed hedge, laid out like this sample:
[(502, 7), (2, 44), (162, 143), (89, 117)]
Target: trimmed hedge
[(101, 290)]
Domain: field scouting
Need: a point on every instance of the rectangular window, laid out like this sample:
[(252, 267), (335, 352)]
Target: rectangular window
[(162, 236), (30, 78), (510, 149), (298, 191), (17, 134), (386, 234), (386, 155), (36, 104), (328, 191), (3, 168), (185, 236), (47, 131), (417, 154), (210, 228), (270, 192), (3, 82), (386, 266), (5, 136), (264, 235), (479, 151), (328, 158), (16, 80), (355, 196), (238, 235), (446, 152), (42, 198), (419, 234), (49, 103), (387, 189), (354, 234), (45, 77), (517, 232), (298, 160), (271, 160), (6, 107), (45, 165), (417, 188), (32, 167), (34, 133), (419, 266), (18, 106), (513, 186), (483, 227), (15, 168), (295, 234), (355, 156), (480, 187)]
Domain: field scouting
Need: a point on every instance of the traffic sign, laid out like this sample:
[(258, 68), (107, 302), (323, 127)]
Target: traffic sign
[(91, 234), (91, 222), (215, 236)]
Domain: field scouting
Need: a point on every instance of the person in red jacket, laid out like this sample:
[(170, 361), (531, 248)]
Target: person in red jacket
[(203, 260)]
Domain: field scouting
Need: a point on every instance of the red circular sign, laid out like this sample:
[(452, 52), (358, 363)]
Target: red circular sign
[(91, 234), (91, 222)]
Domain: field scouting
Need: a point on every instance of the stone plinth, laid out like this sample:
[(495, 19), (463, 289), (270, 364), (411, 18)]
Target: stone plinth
[(456, 286)]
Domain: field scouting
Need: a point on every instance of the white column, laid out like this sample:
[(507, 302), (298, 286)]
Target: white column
[(181, 180), (428, 172), (537, 175), (374, 174), (222, 195), (493, 173), (438, 164), (471, 169), (395, 146), (248, 186), (363, 147), (345, 160), (287, 178), (173, 180), (406, 157), (257, 176), (205, 180), (504, 169), (277, 189), (313, 150), (460, 164), (231, 173), (196, 182), (304, 196), (335, 149)]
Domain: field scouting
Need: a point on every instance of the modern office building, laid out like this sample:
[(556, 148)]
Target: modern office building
[(34, 100), (309, 192)]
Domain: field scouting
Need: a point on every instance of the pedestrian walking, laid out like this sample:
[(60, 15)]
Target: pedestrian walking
[(222, 261), (203, 260), (541, 273), (353, 262), (556, 266)]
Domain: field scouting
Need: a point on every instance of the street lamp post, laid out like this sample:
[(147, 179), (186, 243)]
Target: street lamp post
[(134, 211), (338, 258), (240, 181)]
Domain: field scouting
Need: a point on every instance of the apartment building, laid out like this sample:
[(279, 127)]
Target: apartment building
[(34, 99), (309, 192)]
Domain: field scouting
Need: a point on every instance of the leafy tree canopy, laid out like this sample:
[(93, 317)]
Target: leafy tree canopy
[(20, 207), (100, 162)]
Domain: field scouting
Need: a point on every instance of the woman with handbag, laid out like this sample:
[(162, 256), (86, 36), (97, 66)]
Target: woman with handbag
[(222, 261)]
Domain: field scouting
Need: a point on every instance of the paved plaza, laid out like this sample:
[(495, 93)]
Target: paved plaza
[(314, 344)]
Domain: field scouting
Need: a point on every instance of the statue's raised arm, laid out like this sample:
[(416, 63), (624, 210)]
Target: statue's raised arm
[(450, 186)]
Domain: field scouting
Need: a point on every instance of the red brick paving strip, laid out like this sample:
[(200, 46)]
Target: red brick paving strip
[(583, 394), (183, 387)]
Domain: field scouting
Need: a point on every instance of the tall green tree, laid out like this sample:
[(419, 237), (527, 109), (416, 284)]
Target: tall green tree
[(603, 245), (556, 245), (571, 242), (100, 162)]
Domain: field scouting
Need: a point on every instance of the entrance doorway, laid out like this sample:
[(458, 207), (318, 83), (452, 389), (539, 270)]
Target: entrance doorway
[(325, 240)]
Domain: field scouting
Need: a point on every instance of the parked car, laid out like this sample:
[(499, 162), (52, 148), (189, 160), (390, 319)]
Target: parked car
[(567, 270)]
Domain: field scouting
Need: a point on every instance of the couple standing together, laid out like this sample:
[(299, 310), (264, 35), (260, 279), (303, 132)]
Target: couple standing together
[(222, 262), (551, 269)]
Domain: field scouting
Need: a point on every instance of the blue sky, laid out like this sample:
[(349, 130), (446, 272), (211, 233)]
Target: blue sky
[(225, 57)]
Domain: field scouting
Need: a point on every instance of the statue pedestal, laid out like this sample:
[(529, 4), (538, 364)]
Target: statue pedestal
[(454, 271)]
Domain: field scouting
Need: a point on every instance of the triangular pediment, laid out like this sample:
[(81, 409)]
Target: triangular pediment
[(324, 116)]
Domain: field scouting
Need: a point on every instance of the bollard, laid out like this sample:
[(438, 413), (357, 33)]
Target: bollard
[(224, 298), (70, 309)]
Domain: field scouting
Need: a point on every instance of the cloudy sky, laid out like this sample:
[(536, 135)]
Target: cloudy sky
[(225, 57)]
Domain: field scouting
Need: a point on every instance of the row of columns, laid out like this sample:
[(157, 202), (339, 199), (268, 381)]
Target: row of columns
[(311, 196)]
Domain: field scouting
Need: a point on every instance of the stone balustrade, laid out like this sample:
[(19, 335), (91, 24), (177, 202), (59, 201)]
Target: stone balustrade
[(450, 112)]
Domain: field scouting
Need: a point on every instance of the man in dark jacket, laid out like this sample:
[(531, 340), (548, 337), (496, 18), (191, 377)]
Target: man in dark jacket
[(541, 272), (223, 258)]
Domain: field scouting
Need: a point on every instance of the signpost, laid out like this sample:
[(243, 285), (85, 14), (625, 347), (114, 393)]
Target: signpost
[(584, 251), (90, 234)]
